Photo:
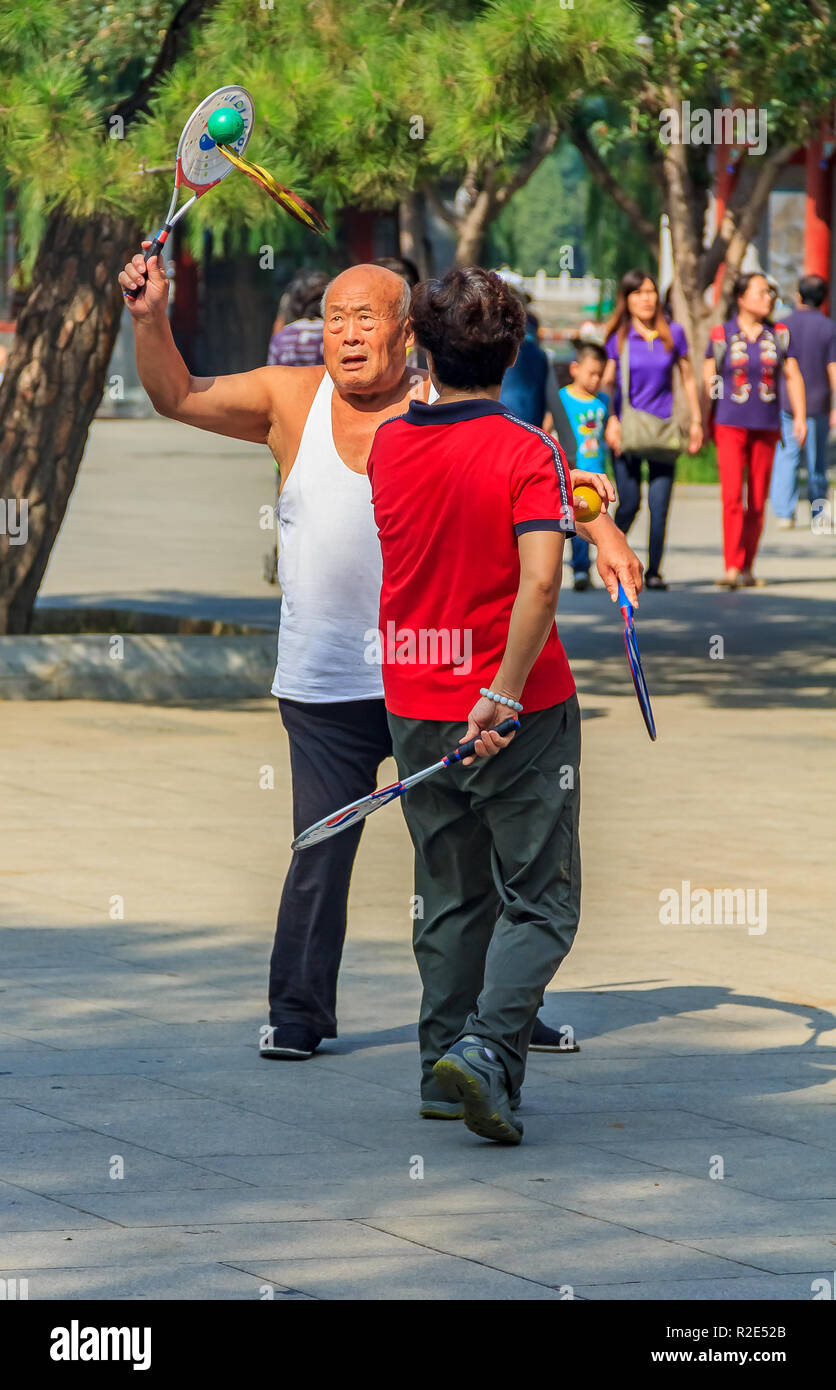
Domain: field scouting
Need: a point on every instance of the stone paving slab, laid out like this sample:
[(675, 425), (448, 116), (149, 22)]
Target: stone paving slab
[(559, 1247), (339, 1198), (26, 1211), (417, 1276), (779, 1254), (162, 1279), (197, 1243), (766, 1288)]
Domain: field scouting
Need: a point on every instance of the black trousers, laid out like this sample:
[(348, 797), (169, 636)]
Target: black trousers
[(628, 472), (335, 752)]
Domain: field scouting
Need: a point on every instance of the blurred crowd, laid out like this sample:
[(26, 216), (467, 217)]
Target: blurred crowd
[(765, 396)]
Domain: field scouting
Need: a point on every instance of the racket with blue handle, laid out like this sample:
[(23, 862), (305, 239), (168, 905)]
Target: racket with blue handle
[(358, 810), (634, 660)]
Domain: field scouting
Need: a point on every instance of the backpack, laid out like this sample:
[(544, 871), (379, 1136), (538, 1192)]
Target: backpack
[(719, 345)]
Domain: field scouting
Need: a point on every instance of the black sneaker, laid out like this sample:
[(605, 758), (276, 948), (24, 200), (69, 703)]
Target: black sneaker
[(473, 1074), (545, 1039), (288, 1042), (582, 580)]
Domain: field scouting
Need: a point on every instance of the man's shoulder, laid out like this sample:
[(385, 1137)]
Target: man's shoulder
[(530, 438), (292, 389), (296, 377)]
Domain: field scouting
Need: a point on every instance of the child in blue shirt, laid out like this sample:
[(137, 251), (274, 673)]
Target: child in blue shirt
[(587, 408)]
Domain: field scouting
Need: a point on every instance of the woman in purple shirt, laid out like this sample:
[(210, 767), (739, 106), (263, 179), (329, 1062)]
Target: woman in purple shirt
[(746, 358), (655, 347)]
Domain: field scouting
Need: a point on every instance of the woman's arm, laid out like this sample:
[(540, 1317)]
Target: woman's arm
[(532, 619), (612, 429), (798, 398), (689, 386)]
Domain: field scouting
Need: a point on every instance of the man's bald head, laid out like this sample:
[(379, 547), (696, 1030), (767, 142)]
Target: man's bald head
[(367, 330), (374, 283)]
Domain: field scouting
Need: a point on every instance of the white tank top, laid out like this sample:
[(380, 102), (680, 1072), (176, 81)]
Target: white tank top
[(329, 572)]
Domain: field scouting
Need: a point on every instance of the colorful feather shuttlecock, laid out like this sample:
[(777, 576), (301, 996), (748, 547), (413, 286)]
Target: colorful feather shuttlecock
[(290, 201)]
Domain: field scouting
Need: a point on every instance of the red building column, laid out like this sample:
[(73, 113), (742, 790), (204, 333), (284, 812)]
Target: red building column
[(818, 212)]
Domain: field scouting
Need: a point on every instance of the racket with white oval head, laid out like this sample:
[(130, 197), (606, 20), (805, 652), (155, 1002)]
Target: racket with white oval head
[(200, 164)]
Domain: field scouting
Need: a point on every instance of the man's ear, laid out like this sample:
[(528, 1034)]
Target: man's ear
[(409, 336)]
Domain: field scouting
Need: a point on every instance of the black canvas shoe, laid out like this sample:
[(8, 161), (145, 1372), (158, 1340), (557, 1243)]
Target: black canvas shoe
[(288, 1042), (545, 1039), (473, 1074)]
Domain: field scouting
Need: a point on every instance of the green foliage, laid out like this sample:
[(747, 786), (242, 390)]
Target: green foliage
[(698, 468), (612, 243), (335, 86), (776, 54), (545, 215), (482, 83)]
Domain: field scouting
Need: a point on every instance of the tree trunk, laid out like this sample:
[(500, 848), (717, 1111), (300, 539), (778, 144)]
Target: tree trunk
[(471, 229), (51, 390), (412, 233)]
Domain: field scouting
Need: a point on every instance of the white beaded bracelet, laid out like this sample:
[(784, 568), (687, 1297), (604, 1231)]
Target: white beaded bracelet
[(501, 700)]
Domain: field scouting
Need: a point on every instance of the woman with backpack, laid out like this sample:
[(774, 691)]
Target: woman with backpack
[(744, 361), (644, 348)]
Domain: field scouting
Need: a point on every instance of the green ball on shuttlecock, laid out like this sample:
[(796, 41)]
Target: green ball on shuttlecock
[(225, 125)]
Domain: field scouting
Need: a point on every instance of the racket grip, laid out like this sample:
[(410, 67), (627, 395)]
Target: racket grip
[(465, 750), (624, 602), (155, 249)]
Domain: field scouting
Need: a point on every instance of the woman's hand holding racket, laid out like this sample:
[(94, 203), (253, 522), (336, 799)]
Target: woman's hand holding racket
[(481, 725), (148, 284)]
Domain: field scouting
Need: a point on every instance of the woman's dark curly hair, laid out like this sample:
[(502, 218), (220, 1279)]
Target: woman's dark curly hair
[(471, 323)]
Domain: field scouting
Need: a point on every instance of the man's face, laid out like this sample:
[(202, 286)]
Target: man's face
[(364, 341)]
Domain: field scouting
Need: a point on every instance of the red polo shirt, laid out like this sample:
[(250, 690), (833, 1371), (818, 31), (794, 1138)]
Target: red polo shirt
[(453, 486)]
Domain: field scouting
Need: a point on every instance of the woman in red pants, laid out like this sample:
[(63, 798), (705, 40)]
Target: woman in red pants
[(743, 363)]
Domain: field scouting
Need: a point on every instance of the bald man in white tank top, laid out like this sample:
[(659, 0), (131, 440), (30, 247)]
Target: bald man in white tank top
[(319, 423)]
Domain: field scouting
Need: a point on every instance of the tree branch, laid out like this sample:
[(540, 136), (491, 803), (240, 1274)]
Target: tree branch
[(438, 207), (175, 40), (742, 214), (544, 142), (610, 184)]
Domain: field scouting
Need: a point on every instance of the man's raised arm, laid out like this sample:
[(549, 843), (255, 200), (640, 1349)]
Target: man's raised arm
[(238, 405)]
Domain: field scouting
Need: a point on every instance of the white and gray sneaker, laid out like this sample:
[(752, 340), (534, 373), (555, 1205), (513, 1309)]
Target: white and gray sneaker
[(287, 1042)]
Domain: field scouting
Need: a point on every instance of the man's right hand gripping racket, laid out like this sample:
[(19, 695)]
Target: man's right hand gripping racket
[(200, 165), (358, 810), (634, 660)]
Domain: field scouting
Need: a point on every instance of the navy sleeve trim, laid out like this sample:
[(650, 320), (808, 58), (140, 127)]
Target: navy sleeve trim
[(544, 524)]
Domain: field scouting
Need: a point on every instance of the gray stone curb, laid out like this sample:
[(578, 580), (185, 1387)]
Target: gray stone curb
[(156, 667)]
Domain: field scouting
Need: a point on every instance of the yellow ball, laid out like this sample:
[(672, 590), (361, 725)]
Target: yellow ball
[(592, 499)]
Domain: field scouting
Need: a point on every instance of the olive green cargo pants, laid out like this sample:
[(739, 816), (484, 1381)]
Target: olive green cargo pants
[(497, 879)]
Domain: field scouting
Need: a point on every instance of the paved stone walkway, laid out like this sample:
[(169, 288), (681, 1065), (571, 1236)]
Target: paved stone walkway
[(687, 1151)]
